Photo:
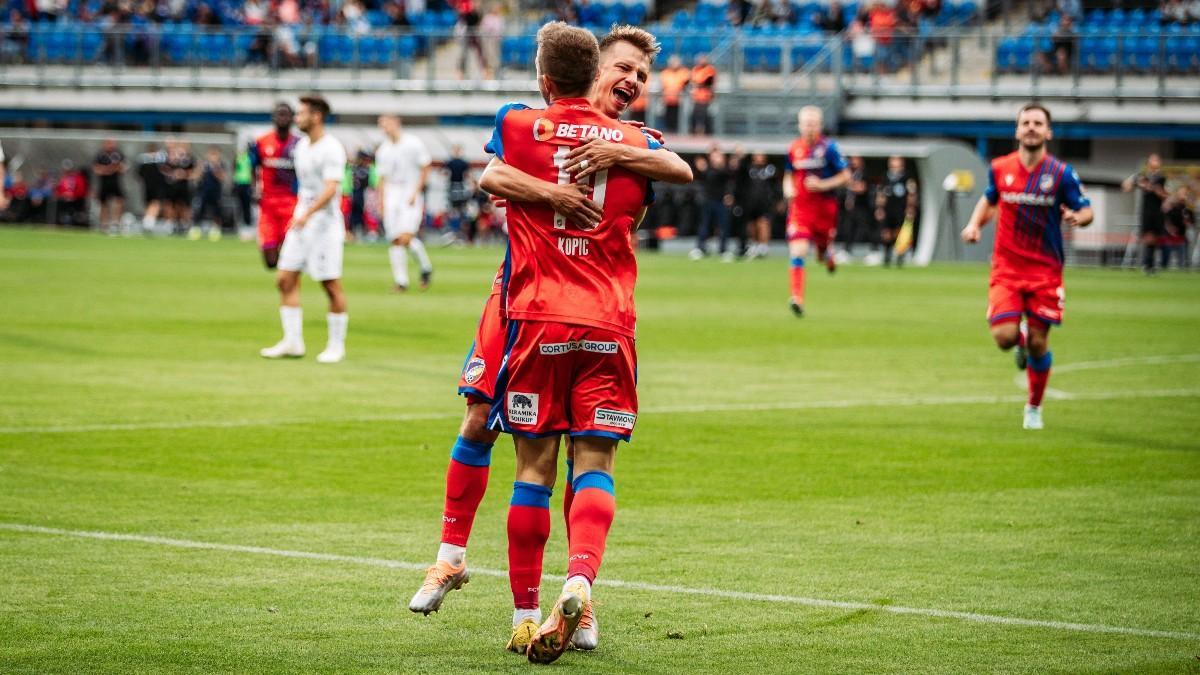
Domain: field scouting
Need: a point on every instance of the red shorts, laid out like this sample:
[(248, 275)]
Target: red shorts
[(817, 224), (561, 378), (1039, 299), (273, 218), (478, 379)]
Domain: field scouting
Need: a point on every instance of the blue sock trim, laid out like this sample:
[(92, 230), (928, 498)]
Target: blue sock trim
[(798, 261), (594, 479), (531, 494), (471, 453), (1041, 365), (571, 472)]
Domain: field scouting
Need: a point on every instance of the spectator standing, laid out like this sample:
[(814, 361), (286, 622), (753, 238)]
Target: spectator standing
[(858, 214), (460, 193), (467, 27), (762, 194), (210, 192), (3, 181), (491, 30), (704, 83), (1179, 218), (243, 188), (832, 19), (674, 79), (16, 37), (737, 11), (152, 172), (716, 203), (1153, 186), (109, 167), (361, 174), (1071, 8), (896, 205), (181, 170)]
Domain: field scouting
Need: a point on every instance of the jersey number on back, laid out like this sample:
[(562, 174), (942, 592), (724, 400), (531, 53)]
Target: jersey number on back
[(598, 182)]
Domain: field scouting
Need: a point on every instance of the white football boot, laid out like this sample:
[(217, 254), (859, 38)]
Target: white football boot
[(332, 354), (587, 635), (440, 579), (1033, 417), (283, 349)]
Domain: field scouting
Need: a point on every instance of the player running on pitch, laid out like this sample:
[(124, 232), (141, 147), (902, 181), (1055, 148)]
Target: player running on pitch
[(626, 54), (1035, 195), (403, 162), (315, 236), (816, 169), (271, 157)]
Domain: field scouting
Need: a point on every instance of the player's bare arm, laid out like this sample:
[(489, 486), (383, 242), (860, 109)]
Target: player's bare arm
[(323, 199), (570, 200), (789, 185), (982, 215), (420, 184), (1081, 218), (834, 182), (599, 154)]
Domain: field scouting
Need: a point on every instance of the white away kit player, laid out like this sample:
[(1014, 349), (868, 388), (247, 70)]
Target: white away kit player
[(315, 235), (402, 163)]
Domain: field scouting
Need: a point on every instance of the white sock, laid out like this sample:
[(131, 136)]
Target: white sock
[(337, 328), (455, 555), (398, 256), (148, 222), (587, 585), (292, 319), (418, 250), (520, 615)]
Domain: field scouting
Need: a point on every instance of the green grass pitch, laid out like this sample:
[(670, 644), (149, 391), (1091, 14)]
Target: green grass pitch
[(869, 453)]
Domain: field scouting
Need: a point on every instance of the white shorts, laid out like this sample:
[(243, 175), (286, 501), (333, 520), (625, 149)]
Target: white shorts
[(317, 249), (400, 217)]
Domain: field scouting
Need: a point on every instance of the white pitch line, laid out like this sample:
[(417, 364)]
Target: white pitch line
[(909, 401), (1166, 359), (616, 583)]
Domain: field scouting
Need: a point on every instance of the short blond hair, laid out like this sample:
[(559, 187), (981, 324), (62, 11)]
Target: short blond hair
[(569, 56), (638, 37)]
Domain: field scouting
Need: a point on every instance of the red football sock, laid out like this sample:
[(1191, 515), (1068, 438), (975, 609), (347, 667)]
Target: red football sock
[(568, 497), (798, 280), (466, 481), (528, 530), (1038, 371), (592, 513)]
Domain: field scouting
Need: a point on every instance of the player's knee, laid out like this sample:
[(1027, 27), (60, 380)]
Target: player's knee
[(474, 426), (1006, 336), (402, 240), (1037, 344)]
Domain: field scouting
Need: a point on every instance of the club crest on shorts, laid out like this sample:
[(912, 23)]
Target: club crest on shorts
[(522, 408), (475, 369)]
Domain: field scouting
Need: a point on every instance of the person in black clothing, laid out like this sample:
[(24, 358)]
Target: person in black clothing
[(856, 210), (108, 167), (1153, 185), (716, 202), (360, 180), (211, 189), (460, 192), (739, 173), (895, 203), (154, 185), (1179, 218), (762, 195), (180, 169)]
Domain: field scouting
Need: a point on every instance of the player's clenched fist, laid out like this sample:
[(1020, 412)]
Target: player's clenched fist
[(970, 233)]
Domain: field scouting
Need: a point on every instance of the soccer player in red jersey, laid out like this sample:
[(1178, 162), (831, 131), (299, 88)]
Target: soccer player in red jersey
[(1035, 194), (570, 362), (626, 54), (816, 169), (271, 157)]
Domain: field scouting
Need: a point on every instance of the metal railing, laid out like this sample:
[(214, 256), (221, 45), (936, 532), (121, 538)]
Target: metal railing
[(952, 62)]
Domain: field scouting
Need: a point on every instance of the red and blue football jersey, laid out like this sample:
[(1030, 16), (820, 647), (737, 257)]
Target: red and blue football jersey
[(822, 159), (554, 270), (272, 156), (1029, 239)]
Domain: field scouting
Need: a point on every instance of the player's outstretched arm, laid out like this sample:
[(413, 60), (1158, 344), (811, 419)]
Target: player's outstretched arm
[(659, 164), (983, 213), (570, 200)]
